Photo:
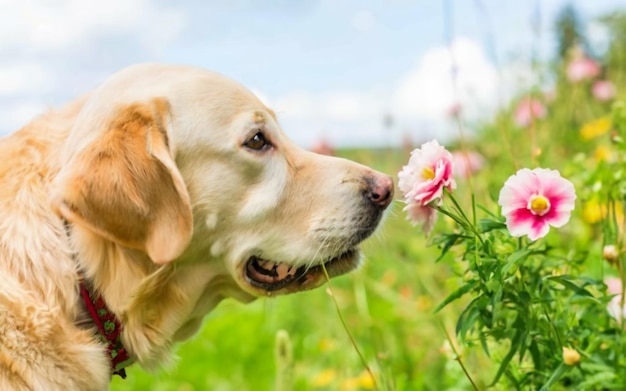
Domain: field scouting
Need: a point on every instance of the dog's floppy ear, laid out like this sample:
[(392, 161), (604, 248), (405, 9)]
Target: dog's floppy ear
[(126, 187)]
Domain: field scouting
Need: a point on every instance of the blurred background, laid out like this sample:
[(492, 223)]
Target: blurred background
[(509, 84)]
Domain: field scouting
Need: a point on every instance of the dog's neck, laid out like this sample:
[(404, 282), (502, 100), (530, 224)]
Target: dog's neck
[(105, 321), (157, 305)]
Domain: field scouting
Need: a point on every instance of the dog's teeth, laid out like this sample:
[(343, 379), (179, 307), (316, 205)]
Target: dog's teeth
[(282, 270)]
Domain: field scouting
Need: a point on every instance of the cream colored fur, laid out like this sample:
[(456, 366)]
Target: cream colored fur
[(165, 205)]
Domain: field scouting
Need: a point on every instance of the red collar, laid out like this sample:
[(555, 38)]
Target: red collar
[(110, 330)]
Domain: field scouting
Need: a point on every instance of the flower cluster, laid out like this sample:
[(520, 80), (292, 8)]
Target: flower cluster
[(581, 68)]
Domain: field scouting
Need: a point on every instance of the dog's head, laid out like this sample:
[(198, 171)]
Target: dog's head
[(188, 166)]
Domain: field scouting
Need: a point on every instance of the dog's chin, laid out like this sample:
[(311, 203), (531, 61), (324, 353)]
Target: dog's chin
[(264, 277)]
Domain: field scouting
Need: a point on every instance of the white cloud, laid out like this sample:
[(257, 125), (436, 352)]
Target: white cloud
[(23, 78), (341, 117), (349, 106), (328, 107), (297, 104), (53, 25), (428, 91), (420, 101), (53, 51)]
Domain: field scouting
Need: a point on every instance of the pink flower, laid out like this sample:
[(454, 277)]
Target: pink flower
[(466, 163), (423, 179), (424, 215), (534, 200), (615, 308), (613, 285), (455, 110), (582, 68), (323, 147), (603, 90), (529, 110)]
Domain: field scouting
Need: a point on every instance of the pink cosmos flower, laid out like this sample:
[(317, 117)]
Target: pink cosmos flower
[(423, 179), (529, 110), (466, 163), (603, 90), (534, 200), (582, 68)]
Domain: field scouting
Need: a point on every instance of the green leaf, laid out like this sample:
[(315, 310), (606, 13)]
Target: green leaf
[(470, 314), (456, 294), (447, 242), (556, 375), (566, 282), (511, 261), (486, 225), (518, 339), (465, 320), (536, 355), (483, 343)]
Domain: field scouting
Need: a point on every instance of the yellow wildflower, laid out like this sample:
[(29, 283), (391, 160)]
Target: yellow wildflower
[(602, 153), (595, 128), (362, 382), (592, 212), (324, 378), (327, 344)]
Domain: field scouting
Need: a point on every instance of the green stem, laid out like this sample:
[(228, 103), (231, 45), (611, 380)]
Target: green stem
[(463, 220), (458, 356), (452, 216), (345, 327)]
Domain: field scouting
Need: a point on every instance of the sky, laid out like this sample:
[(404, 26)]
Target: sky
[(350, 72)]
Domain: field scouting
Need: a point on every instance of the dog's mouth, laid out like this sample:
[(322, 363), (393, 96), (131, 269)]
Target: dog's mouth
[(270, 276)]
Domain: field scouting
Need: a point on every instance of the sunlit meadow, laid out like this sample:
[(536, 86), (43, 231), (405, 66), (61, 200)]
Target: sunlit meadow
[(477, 301)]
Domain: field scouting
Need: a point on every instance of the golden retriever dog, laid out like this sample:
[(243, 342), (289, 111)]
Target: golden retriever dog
[(129, 214)]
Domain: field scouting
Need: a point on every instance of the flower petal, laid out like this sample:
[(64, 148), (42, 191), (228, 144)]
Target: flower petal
[(522, 222), (424, 215), (516, 191)]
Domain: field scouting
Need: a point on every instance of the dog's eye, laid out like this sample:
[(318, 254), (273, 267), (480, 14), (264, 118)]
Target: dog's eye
[(258, 142)]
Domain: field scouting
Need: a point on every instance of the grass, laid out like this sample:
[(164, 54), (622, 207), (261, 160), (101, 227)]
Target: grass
[(387, 306)]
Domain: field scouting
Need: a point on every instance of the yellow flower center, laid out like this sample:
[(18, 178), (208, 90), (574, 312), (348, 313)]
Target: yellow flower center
[(539, 205), (428, 173)]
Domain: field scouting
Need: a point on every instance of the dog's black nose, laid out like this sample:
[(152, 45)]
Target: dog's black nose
[(380, 190)]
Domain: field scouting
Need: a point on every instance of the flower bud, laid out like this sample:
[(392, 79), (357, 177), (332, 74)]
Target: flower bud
[(570, 356), (610, 254)]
